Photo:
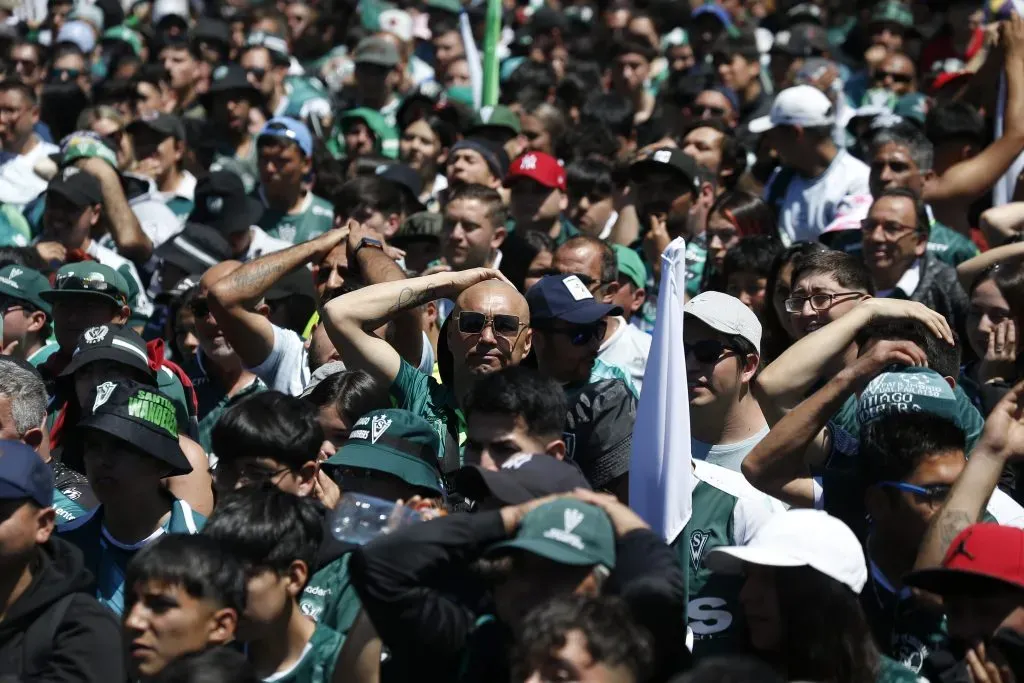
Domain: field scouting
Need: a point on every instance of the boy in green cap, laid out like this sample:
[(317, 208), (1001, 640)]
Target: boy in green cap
[(276, 536), (362, 132), (27, 318), (129, 444)]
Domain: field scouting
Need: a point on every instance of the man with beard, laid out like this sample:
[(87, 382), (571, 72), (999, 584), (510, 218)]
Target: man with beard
[(217, 373), (230, 99)]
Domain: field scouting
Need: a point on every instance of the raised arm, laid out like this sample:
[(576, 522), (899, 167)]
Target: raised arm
[(232, 298), (970, 269), (783, 383), (780, 464), (969, 179), (351, 318), (131, 241), (1000, 223), (1002, 441)]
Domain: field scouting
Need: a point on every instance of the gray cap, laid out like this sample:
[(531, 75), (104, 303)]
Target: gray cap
[(377, 51)]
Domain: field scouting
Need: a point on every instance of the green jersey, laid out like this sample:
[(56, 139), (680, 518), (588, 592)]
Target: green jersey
[(329, 597), (891, 671), (602, 371), (316, 665), (418, 393), (696, 257), (727, 510), (244, 167), (950, 246), (42, 354), (66, 509), (314, 218), (212, 397), (14, 228), (108, 559)]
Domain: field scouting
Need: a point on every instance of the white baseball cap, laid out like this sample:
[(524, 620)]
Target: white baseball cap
[(725, 314), (799, 538), (801, 105), (397, 22)]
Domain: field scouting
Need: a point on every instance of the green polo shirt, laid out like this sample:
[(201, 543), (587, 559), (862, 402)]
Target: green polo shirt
[(43, 353), (314, 218), (317, 662), (66, 509), (224, 159), (329, 597)]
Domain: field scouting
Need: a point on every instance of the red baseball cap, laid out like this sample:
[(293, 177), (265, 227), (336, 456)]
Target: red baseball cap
[(947, 77), (982, 556), (538, 166)]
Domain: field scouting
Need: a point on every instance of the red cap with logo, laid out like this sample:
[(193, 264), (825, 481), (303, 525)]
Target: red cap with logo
[(981, 556), (538, 166)]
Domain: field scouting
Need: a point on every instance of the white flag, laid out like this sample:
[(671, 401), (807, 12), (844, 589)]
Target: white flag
[(1002, 193), (660, 471)]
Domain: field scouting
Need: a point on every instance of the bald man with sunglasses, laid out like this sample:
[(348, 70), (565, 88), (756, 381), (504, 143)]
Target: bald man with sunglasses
[(489, 329)]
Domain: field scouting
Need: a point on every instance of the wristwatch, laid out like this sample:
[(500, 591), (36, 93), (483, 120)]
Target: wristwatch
[(368, 242)]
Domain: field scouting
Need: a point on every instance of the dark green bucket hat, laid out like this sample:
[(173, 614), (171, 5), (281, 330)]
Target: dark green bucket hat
[(395, 442)]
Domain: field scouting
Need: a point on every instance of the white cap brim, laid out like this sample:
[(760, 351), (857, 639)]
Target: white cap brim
[(760, 125), (729, 559)]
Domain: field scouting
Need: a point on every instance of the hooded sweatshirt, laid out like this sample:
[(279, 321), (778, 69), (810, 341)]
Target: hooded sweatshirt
[(86, 641)]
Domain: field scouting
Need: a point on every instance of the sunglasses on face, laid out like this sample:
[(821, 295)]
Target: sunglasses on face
[(200, 307), (65, 74), (709, 111), (707, 350), (26, 66), (580, 335), (932, 494), (896, 77), (891, 229), (474, 322), (258, 74)]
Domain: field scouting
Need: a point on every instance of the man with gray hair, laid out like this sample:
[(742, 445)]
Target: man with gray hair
[(23, 418)]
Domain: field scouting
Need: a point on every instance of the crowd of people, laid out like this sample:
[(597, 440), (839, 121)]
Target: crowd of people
[(262, 263)]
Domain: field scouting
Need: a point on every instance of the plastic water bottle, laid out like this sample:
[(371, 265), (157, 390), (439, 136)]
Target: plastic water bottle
[(359, 518)]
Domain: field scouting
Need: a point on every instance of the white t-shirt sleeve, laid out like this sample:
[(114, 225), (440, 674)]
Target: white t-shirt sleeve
[(286, 368), (1005, 509), (426, 365), (750, 514)]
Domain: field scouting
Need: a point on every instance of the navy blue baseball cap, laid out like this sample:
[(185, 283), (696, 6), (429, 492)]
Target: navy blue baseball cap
[(565, 297), (23, 474)]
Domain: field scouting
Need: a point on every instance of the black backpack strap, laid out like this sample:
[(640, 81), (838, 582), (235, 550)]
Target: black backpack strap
[(39, 636)]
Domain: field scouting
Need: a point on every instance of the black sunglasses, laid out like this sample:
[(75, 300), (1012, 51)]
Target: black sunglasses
[(200, 307), (579, 335), (474, 322), (707, 350), (898, 78), (258, 73), (709, 111)]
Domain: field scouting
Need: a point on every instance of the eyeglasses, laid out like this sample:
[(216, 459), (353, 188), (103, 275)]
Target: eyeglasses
[(932, 494), (65, 74), (258, 74), (72, 283), (200, 307), (8, 305), (707, 350), (579, 335), (891, 229), (709, 111), (26, 66), (474, 322), (819, 302), (896, 77)]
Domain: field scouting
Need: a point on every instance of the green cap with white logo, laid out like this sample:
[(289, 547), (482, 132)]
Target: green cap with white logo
[(498, 116), (908, 391), (566, 531), (892, 12), (394, 442), (25, 284), (89, 278)]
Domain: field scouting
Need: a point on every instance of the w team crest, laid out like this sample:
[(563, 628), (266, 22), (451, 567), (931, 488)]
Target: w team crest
[(379, 425), (698, 539)]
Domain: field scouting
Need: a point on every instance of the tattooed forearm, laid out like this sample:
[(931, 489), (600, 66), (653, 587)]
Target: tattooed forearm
[(253, 279), (949, 525), (410, 298)]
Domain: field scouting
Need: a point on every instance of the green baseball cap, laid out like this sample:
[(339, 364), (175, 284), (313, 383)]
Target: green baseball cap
[(25, 284), (386, 137), (907, 391), (422, 226), (461, 94), (125, 35), (395, 442), (566, 531), (912, 106), (892, 12), (450, 6), (83, 144), (89, 277), (498, 116), (631, 265)]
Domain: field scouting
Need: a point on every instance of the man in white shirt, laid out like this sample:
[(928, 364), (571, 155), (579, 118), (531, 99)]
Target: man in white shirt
[(722, 342), (22, 148), (597, 265), (815, 174), (222, 203)]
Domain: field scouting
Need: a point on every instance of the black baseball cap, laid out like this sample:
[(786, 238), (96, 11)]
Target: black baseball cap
[(167, 125), (210, 30), (672, 160), (565, 297), (802, 40), (195, 249), (24, 475), (521, 478), (78, 187), (139, 415), (407, 180), (228, 77), (599, 430), (425, 226), (222, 203), (118, 343)]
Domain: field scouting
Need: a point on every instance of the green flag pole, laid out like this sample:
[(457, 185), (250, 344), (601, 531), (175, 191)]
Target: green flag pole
[(493, 35)]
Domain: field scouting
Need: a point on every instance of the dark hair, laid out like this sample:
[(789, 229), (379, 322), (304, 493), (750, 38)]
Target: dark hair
[(948, 121), (212, 665), (367, 193), (154, 74), (551, 117), (443, 129), (847, 270), (633, 44), (609, 261), (268, 424), (591, 139), (730, 669), (742, 44), (776, 339), (748, 213), (590, 178), (266, 527), (582, 77), (518, 252), (921, 213), (24, 256), (826, 634), (943, 358), (531, 82), (893, 446), (612, 637), (734, 155), (753, 254), (65, 48), (196, 563), (521, 391), (1008, 278), (487, 196), (10, 85), (353, 393), (442, 22), (613, 111)]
